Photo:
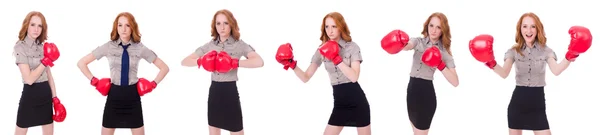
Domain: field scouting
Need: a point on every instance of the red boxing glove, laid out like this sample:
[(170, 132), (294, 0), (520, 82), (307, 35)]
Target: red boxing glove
[(433, 58), (581, 41), (102, 85), (208, 61), (285, 56), (394, 41), (51, 54), (144, 86), (225, 63), (60, 113), (331, 50), (482, 49)]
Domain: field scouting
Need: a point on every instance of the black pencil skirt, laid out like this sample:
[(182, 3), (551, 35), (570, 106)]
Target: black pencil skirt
[(123, 108), (527, 109), (350, 106), (224, 109), (35, 105), (421, 102)]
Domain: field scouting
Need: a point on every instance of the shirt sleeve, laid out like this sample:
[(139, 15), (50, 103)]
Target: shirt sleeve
[(317, 58), (20, 56), (448, 59), (355, 54), (246, 48), (510, 54), (148, 54), (550, 54), (101, 51), (200, 51), (416, 43)]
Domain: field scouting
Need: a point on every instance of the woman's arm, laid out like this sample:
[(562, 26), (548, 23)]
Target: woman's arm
[(51, 82), (451, 76), (30, 76), (504, 71), (190, 61), (557, 68), (352, 72), (310, 71), (82, 64), (409, 46), (164, 69), (254, 61)]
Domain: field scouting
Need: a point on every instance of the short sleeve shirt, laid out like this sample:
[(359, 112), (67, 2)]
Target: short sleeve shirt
[(349, 51), (113, 52), (30, 52), (420, 69), (235, 48), (531, 66)]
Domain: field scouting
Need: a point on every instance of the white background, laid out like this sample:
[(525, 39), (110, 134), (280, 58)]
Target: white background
[(275, 101)]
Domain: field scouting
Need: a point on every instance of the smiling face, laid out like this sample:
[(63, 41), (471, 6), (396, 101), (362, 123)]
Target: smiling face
[(528, 30)]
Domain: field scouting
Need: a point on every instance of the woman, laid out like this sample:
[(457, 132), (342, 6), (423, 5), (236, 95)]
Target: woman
[(34, 60), (527, 108), (123, 108), (221, 56), (433, 50), (342, 59)]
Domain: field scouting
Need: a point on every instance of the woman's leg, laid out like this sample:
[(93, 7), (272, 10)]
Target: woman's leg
[(417, 131), (48, 129), (515, 132), (542, 132), (333, 130), (138, 131), (108, 131), (20, 131), (241, 132), (214, 130), (366, 130)]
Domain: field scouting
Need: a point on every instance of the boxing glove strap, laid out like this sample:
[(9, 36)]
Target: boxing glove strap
[(442, 66), (235, 63), (337, 60), (491, 64)]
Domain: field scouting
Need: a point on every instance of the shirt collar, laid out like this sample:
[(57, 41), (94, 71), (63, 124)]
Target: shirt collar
[(343, 43), (30, 42), (428, 41), (119, 42), (229, 40), (536, 45)]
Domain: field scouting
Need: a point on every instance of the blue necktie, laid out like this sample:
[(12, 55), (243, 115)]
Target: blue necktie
[(125, 66)]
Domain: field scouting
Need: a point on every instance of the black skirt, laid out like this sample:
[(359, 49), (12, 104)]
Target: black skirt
[(351, 107), (35, 105), (421, 102), (527, 109), (224, 109), (123, 108)]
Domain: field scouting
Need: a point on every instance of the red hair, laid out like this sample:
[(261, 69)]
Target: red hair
[(25, 26), (541, 35), (340, 22), (446, 36), (235, 29), (136, 37)]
